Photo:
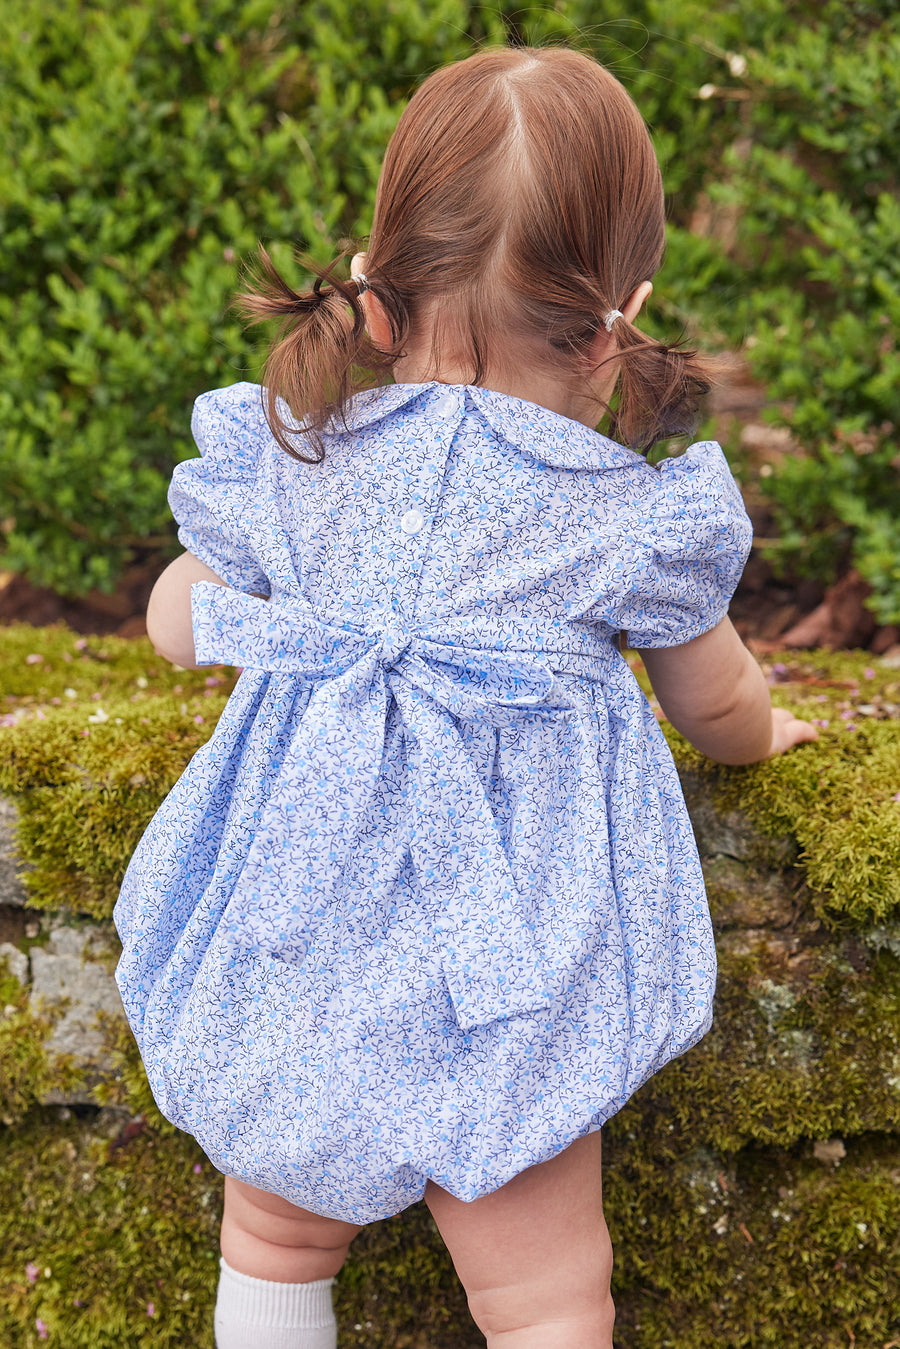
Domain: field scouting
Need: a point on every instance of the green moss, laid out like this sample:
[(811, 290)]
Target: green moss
[(740, 1251), (398, 1290), (728, 1232), (38, 665), (838, 798), (754, 1249), (801, 1050), (89, 771), (121, 1230)]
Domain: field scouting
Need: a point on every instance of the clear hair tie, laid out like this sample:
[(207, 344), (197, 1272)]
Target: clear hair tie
[(362, 283), (610, 318)]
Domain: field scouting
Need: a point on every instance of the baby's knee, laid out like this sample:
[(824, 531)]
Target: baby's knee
[(263, 1233), (569, 1306)]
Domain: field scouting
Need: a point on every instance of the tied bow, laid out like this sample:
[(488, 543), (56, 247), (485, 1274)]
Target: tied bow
[(492, 960)]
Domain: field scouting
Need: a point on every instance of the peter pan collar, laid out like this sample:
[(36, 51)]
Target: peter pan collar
[(534, 430)]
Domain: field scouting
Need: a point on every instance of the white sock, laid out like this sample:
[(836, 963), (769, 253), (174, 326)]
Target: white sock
[(257, 1314)]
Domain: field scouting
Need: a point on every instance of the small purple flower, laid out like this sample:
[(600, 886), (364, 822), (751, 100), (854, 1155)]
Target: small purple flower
[(151, 1309), (848, 715), (198, 1168), (43, 1329), (32, 1271), (868, 672)]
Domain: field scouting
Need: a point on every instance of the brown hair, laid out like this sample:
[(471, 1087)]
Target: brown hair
[(520, 194)]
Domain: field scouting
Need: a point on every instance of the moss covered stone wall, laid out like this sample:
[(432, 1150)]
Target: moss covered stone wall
[(753, 1187)]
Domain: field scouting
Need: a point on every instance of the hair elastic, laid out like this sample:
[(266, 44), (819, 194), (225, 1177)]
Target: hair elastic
[(610, 318), (362, 283)]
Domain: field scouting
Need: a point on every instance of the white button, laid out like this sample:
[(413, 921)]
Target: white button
[(446, 405), (412, 522)]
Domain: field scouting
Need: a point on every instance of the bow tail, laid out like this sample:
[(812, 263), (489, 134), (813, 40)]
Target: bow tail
[(294, 874), (492, 959)]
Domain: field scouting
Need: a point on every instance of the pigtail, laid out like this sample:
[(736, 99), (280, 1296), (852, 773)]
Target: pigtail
[(660, 386), (322, 353)]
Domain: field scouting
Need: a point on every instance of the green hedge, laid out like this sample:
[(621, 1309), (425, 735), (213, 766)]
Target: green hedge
[(145, 149), (817, 184)]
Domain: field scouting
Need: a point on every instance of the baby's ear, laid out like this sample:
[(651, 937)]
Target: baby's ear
[(636, 300), (379, 328)]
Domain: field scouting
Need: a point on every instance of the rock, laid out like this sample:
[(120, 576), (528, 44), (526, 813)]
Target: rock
[(12, 891), (841, 620), (830, 1150), (16, 961), (730, 833), (743, 896), (68, 967)]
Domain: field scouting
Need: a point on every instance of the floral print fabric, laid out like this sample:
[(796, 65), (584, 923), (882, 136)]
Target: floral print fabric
[(428, 904)]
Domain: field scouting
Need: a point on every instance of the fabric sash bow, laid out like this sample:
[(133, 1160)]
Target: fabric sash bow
[(491, 957)]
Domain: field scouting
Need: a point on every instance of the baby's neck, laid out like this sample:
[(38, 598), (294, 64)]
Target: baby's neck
[(548, 389)]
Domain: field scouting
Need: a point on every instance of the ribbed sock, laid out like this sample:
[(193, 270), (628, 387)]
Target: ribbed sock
[(257, 1314)]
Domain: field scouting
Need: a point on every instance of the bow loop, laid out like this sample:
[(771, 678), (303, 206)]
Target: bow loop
[(492, 962)]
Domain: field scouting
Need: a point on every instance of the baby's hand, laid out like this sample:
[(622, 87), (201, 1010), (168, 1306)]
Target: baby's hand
[(788, 730)]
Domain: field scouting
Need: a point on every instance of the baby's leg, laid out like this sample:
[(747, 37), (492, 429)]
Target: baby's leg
[(265, 1236), (278, 1264), (534, 1257)]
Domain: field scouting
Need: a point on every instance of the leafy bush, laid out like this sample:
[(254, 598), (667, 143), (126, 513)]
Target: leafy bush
[(816, 182), (145, 149)]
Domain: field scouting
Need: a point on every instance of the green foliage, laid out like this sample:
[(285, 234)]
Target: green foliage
[(144, 152), (815, 182)]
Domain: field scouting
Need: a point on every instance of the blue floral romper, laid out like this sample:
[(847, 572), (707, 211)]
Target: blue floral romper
[(428, 904)]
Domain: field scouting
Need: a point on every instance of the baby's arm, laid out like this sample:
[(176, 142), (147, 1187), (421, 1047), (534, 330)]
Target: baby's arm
[(714, 693), (169, 624)]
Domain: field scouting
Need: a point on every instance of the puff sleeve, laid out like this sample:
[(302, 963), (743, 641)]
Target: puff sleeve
[(218, 499), (687, 538)]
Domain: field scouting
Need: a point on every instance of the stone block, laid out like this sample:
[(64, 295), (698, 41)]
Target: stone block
[(16, 961), (12, 891), (68, 967)]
